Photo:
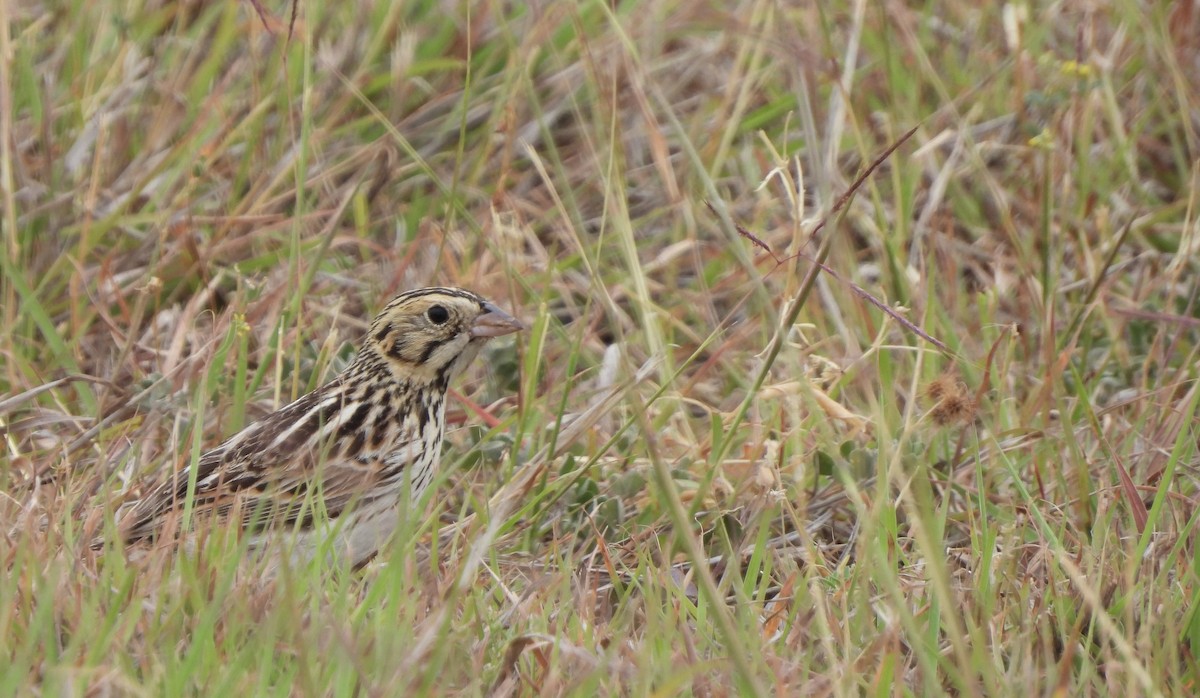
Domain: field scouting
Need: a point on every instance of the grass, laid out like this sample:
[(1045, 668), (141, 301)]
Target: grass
[(714, 472)]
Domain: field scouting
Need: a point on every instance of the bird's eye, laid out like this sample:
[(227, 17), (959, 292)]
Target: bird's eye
[(438, 315)]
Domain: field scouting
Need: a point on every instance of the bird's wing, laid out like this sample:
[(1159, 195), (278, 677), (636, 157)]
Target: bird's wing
[(273, 472)]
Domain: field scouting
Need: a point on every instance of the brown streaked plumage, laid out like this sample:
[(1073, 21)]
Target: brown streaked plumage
[(349, 445)]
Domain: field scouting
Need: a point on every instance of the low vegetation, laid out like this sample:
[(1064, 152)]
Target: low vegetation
[(958, 458)]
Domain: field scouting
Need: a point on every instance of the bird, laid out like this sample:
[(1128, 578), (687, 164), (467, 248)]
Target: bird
[(337, 462)]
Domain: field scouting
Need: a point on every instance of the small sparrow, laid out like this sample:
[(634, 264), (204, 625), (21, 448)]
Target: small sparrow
[(352, 448)]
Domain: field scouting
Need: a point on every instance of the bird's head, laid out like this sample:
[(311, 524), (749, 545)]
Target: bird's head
[(431, 334)]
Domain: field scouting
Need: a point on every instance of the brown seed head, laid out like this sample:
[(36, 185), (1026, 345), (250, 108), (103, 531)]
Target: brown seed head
[(952, 399)]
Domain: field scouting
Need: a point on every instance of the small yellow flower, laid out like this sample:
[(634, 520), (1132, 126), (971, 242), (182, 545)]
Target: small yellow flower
[(240, 326), (1044, 140), (1075, 69)]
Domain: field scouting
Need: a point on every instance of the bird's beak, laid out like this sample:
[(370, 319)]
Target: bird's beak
[(494, 322)]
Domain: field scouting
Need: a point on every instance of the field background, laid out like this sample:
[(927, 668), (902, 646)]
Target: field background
[(702, 471)]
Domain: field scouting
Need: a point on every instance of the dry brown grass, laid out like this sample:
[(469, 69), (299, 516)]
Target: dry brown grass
[(199, 215)]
